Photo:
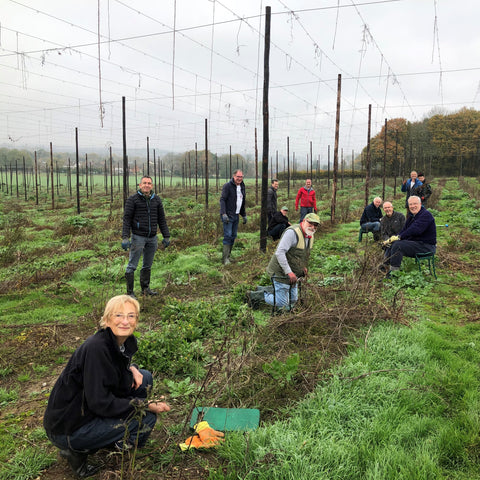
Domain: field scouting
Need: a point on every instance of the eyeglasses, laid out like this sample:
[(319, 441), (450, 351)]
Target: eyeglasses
[(121, 316), (315, 225)]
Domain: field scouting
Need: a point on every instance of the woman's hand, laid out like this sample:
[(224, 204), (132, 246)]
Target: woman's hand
[(157, 407), (137, 377)]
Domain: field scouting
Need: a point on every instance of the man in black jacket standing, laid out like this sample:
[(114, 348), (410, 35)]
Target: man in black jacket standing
[(232, 206), (272, 200), (143, 213)]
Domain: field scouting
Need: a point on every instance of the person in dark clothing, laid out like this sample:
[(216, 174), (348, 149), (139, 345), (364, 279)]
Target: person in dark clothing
[(419, 235), (232, 207), (278, 223), (100, 398), (424, 191), (390, 224), (143, 213), (370, 220), (409, 186), (272, 200)]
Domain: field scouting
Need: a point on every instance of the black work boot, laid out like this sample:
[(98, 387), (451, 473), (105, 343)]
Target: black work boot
[(79, 464), (145, 283), (129, 277)]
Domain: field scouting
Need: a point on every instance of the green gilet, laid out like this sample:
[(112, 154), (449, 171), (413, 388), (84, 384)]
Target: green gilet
[(297, 258)]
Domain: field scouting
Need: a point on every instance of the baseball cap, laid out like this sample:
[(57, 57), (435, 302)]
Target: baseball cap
[(312, 218)]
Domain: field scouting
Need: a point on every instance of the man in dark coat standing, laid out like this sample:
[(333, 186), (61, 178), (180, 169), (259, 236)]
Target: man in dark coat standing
[(142, 215), (272, 200), (232, 207)]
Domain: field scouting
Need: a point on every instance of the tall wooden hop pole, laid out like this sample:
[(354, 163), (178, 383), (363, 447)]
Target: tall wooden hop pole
[(266, 138)]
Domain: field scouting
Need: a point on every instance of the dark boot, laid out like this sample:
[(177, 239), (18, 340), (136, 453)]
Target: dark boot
[(129, 277), (255, 299), (79, 464), (145, 283), (226, 254)]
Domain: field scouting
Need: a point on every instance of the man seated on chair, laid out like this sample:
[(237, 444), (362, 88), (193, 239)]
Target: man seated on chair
[(419, 235), (390, 224), (370, 221), (278, 223), (288, 265)]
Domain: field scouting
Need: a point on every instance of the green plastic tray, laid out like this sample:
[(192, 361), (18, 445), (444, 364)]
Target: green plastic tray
[(227, 419)]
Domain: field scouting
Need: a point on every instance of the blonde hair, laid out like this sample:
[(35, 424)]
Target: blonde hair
[(114, 304)]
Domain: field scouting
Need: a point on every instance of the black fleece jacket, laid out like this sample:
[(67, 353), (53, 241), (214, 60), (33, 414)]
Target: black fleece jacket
[(142, 214), (97, 382)]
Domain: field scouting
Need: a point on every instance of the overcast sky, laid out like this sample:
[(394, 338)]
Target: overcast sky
[(68, 64)]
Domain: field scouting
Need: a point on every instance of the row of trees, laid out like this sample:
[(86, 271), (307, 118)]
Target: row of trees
[(443, 144)]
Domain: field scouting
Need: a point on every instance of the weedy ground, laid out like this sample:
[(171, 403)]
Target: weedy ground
[(357, 382)]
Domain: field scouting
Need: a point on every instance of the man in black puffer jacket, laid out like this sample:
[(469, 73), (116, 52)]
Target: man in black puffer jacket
[(232, 207), (143, 213)]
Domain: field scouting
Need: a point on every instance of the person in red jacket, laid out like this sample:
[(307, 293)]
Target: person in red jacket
[(306, 200)]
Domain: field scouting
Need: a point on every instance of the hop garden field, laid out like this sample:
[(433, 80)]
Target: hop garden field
[(365, 379)]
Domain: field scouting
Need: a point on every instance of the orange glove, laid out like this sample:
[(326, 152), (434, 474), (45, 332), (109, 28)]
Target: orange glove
[(208, 435), (205, 437)]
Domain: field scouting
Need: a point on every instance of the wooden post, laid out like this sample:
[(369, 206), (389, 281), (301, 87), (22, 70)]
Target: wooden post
[(125, 158), (266, 137), (335, 151), (148, 157), (36, 179), (78, 170), (384, 159), (256, 168), (206, 164), (367, 167), (288, 168), (196, 173), (51, 176)]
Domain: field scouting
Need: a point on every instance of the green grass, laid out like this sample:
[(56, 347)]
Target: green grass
[(404, 407)]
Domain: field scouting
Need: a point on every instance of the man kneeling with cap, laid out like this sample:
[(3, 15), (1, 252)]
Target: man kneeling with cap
[(278, 223), (287, 265)]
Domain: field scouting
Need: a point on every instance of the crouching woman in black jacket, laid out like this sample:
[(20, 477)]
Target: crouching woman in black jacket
[(96, 400)]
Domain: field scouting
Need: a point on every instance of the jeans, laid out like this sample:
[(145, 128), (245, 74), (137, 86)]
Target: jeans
[(147, 246), (230, 230), (304, 211), (408, 248), (102, 432), (285, 294), (370, 227)]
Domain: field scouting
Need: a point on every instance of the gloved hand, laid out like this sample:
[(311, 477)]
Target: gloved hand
[(244, 219), (205, 437), (225, 218), (166, 242), (392, 239), (126, 244)]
